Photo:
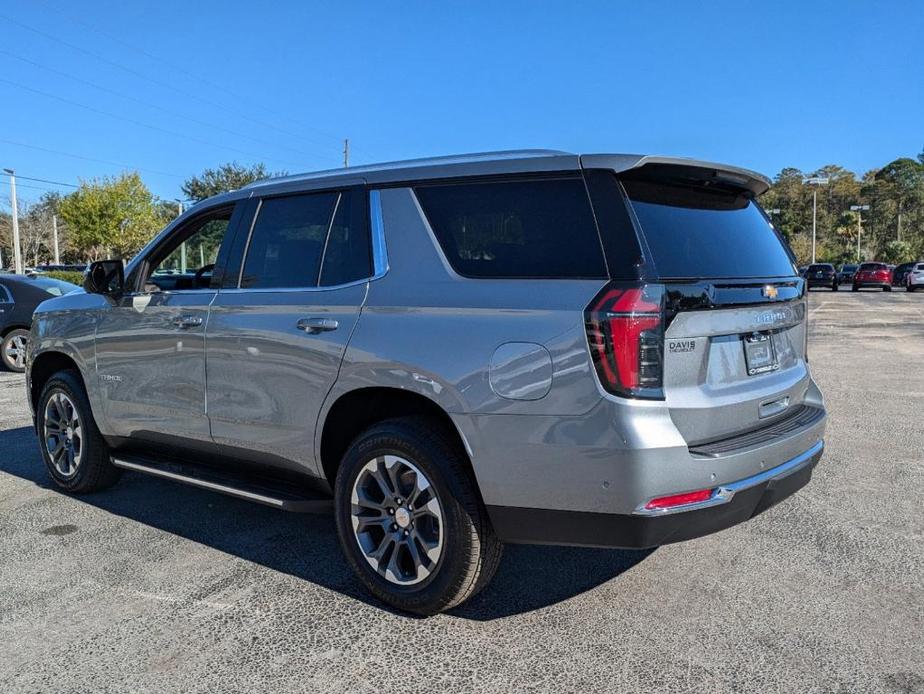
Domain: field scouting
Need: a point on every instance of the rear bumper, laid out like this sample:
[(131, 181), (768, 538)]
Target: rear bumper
[(861, 285), (731, 504), (822, 282)]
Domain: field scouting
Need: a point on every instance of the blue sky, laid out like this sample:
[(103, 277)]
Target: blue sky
[(170, 88)]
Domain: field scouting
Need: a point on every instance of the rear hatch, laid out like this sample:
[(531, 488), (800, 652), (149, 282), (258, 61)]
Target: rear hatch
[(732, 337)]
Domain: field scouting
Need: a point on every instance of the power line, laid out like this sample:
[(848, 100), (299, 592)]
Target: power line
[(93, 159), (40, 180), (153, 80), (148, 104), (182, 70), (141, 124)]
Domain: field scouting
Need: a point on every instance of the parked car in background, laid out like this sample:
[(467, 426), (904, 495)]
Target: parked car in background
[(873, 275), (19, 296), (900, 272), (802, 270), (822, 275), (846, 273), (914, 278)]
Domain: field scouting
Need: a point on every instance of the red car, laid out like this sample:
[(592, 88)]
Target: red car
[(873, 275)]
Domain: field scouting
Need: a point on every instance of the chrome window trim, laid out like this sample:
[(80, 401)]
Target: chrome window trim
[(271, 290), (377, 224), (724, 493)]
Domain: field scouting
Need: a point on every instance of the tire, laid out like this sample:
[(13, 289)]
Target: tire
[(13, 350), (468, 550), (887, 289), (834, 287), (84, 465), (854, 288), (909, 288)]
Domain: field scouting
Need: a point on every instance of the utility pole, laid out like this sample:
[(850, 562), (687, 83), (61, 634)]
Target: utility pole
[(859, 210), (815, 181), (17, 255), (54, 228), (346, 153)]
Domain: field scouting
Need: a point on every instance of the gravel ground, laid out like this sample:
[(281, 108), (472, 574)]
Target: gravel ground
[(160, 587)]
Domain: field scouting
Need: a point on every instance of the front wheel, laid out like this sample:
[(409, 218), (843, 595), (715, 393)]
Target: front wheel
[(74, 451), (854, 288), (409, 518), (909, 288), (13, 349), (887, 289), (834, 287)]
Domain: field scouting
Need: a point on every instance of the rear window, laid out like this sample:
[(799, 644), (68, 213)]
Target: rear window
[(698, 232), (515, 229), (873, 266), (821, 268)]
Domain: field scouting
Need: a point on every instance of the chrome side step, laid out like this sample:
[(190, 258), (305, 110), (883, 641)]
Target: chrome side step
[(283, 499)]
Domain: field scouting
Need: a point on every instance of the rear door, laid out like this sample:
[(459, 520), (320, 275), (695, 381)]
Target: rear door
[(734, 349), (278, 330)]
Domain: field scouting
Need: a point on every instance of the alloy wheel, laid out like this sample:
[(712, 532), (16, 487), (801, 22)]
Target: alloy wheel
[(63, 434), (397, 519), (15, 351)]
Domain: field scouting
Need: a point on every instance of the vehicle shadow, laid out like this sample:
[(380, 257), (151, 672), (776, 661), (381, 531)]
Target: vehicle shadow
[(306, 546)]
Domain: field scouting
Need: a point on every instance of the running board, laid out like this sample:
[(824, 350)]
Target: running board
[(285, 499)]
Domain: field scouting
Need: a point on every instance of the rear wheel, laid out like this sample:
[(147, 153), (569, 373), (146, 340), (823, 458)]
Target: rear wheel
[(75, 454), (13, 349), (909, 288), (854, 288), (409, 518), (887, 289), (834, 287)]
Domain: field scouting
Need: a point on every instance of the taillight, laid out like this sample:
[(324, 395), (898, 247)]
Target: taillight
[(625, 332)]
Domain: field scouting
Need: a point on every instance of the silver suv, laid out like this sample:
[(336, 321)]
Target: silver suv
[(533, 347)]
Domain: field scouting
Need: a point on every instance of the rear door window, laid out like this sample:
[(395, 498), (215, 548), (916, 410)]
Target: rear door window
[(697, 232), (287, 241), (542, 228)]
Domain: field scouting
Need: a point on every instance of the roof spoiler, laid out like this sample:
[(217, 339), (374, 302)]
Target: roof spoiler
[(744, 179)]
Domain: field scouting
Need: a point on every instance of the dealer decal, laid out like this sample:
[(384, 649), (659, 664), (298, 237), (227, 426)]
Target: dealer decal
[(681, 345)]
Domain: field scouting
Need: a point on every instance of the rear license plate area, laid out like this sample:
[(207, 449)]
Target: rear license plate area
[(760, 354)]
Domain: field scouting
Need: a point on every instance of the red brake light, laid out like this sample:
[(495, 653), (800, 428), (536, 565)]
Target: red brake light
[(625, 334), (679, 499)]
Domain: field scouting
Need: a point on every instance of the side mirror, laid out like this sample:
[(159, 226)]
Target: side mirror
[(105, 277)]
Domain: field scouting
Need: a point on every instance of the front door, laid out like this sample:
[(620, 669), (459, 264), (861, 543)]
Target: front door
[(150, 345), (275, 341)]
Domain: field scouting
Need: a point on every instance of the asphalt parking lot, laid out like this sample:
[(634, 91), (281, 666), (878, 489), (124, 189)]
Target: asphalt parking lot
[(160, 587)]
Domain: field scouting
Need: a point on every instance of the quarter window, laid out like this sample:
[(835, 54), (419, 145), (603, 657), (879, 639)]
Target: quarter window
[(537, 228)]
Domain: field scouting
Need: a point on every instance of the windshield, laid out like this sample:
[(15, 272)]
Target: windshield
[(699, 232)]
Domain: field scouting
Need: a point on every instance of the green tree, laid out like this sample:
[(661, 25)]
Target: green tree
[(897, 252), (226, 177), (115, 216)]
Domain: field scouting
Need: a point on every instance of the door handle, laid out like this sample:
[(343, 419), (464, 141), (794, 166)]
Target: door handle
[(313, 326), (187, 321)]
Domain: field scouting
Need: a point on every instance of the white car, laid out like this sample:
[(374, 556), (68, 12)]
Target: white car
[(914, 280)]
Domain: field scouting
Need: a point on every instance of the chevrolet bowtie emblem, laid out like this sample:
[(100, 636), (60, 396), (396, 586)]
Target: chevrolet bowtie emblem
[(770, 291)]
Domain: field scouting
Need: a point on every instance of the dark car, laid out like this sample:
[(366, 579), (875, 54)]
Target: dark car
[(873, 275), (846, 273), (19, 296), (821, 275), (900, 273)]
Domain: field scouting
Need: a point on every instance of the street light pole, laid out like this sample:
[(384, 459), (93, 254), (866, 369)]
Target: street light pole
[(54, 227), (817, 180), (17, 254)]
